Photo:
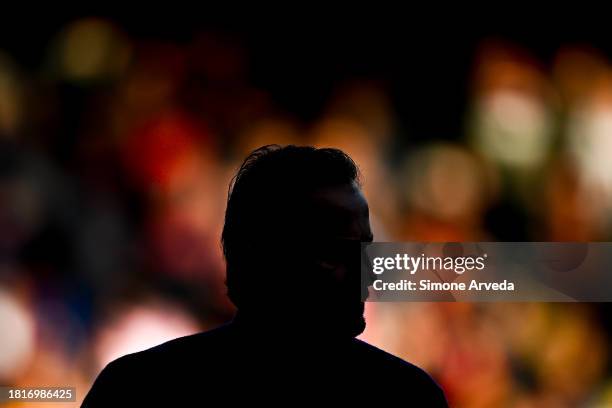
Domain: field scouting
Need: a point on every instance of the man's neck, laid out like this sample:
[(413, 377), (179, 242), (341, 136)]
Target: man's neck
[(286, 329)]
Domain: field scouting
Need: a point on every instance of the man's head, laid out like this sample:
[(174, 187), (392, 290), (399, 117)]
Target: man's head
[(294, 222)]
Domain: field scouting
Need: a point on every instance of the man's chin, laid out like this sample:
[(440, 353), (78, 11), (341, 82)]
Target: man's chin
[(351, 326), (358, 327), (353, 322)]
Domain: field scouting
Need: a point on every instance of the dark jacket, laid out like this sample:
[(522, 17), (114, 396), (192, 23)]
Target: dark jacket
[(236, 365)]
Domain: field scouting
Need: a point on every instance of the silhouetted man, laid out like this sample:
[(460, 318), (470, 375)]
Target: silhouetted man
[(294, 222)]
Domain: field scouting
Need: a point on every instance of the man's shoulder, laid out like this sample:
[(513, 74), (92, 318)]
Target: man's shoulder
[(391, 370), (379, 357), (190, 346), (176, 352), (159, 368)]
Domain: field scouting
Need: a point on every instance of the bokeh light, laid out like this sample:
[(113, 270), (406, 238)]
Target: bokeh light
[(118, 139)]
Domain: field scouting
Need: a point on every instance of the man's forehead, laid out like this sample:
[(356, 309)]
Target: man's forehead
[(342, 199), (339, 211)]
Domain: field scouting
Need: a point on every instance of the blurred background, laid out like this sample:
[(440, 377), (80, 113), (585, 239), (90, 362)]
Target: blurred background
[(119, 135)]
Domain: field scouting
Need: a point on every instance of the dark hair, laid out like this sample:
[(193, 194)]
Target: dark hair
[(265, 202)]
